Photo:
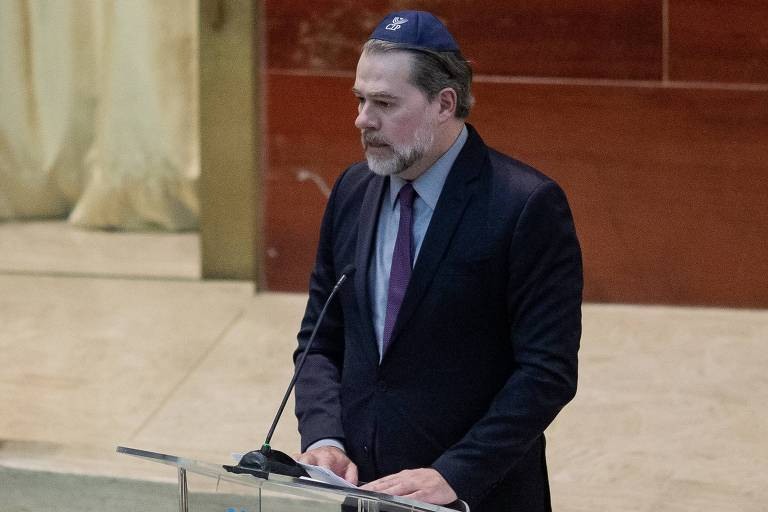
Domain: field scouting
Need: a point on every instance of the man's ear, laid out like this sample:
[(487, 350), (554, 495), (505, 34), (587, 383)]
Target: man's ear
[(447, 98)]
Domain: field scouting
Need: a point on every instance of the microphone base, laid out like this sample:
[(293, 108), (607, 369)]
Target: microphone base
[(267, 460)]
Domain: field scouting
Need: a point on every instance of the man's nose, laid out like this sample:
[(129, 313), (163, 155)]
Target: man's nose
[(365, 120)]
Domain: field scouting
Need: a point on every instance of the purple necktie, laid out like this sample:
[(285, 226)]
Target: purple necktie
[(402, 259)]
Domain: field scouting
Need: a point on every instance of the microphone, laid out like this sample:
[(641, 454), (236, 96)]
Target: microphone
[(273, 461)]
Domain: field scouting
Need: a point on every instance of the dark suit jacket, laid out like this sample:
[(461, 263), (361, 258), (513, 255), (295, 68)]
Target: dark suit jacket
[(484, 351)]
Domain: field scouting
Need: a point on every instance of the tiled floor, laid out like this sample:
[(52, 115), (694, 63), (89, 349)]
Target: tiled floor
[(670, 414)]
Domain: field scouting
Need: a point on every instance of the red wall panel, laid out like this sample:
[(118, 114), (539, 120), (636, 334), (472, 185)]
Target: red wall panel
[(667, 183), (711, 40), (668, 186), (575, 38), (310, 133)]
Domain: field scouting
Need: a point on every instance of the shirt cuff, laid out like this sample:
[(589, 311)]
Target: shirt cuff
[(329, 441)]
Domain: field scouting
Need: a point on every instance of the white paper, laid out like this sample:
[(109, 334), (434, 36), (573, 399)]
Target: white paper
[(325, 475)]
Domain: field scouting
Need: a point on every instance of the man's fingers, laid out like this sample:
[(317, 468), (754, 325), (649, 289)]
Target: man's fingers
[(381, 482), (323, 456), (424, 484), (391, 484), (376, 485), (308, 458), (303, 457), (333, 459), (350, 474)]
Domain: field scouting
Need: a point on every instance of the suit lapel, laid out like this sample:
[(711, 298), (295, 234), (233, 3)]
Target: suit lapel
[(457, 192), (366, 238)]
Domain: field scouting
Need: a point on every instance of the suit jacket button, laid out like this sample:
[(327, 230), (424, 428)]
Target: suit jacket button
[(365, 449)]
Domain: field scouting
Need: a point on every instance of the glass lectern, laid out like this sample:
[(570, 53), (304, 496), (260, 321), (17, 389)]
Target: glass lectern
[(205, 487)]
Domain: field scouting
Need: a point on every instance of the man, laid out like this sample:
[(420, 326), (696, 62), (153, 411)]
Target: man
[(439, 366)]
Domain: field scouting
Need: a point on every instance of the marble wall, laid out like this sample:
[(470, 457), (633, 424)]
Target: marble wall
[(652, 114)]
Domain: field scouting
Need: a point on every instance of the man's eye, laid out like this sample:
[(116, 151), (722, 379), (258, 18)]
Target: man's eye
[(383, 104)]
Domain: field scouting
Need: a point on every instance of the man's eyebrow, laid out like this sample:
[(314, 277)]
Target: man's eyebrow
[(375, 94)]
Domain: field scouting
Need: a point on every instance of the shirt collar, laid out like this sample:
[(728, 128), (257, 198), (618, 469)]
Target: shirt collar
[(430, 183)]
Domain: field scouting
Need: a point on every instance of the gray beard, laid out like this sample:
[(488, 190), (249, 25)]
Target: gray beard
[(397, 163), (403, 157)]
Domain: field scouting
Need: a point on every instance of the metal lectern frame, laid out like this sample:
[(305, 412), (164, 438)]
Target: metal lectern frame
[(352, 498)]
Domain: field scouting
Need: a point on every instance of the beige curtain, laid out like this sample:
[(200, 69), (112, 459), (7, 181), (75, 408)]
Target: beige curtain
[(99, 112)]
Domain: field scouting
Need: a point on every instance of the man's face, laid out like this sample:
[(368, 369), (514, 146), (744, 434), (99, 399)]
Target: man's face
[(396, 120)]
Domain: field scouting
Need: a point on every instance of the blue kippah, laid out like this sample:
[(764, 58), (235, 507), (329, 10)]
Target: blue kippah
[(416, 28)]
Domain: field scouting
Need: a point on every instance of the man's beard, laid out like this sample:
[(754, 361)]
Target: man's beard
[(403, 155)]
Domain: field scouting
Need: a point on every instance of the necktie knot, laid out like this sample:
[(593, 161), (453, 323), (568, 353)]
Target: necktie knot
[(407, 195)]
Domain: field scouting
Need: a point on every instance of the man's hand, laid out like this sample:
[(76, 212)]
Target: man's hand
[(423, 484), (332, 458)]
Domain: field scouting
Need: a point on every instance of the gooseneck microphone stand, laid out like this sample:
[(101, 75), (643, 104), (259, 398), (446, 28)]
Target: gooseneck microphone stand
[(274, 461)]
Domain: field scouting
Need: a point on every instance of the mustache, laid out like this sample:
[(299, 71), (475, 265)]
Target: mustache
[(371, 138)]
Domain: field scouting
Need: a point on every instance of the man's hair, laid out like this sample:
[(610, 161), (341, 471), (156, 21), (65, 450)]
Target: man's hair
[(433, 71)]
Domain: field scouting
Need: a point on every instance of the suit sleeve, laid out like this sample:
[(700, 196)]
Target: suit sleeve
[(544, 311), (318, 405)]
